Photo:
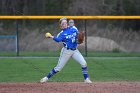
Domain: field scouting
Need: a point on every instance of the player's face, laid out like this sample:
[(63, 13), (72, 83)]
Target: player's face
[(71, 24), (63, 24)]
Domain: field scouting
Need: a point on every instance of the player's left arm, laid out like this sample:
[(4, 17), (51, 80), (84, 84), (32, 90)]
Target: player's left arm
[(80, 35), (75, 28)]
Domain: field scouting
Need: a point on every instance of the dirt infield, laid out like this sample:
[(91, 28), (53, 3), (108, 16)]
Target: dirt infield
[(71, 87)]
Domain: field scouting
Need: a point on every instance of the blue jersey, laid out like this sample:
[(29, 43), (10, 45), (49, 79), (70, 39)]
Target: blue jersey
[(73, 27), (68, 36)]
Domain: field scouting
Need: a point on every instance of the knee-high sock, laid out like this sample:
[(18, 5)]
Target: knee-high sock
[(52, 72), (85, 72)]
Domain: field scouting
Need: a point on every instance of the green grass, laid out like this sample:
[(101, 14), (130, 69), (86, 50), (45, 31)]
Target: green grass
[(57, 53), (113, 54), (31, 70)]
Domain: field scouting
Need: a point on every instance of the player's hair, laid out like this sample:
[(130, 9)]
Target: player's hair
[(61, 19)]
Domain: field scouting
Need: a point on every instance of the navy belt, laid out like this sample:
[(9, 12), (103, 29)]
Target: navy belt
[(71, 48)]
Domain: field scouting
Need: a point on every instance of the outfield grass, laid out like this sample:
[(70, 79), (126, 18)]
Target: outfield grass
[(57, 53), (31, 70)]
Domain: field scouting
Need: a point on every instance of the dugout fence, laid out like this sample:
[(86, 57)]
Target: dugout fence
[(100, 40)]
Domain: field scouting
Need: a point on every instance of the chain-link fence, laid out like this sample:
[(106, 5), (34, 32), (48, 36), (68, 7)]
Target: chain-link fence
[(27, 38)]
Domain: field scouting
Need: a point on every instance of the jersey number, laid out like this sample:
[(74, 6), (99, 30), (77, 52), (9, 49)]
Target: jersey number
[(73, 39)]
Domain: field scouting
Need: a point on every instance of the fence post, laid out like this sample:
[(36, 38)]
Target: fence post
[(17, 38), (85, 38)]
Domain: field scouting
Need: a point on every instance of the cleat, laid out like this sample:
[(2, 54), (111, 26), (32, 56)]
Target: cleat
[(88, 80), (45, 79)]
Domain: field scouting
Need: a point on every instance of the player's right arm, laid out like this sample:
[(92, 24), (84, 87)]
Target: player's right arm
[(58, 38)]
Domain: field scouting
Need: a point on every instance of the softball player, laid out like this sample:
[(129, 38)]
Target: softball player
[(71, 24), (68, 36)]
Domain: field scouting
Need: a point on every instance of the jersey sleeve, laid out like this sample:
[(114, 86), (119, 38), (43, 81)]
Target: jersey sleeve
[(58, 38), (75, 28)]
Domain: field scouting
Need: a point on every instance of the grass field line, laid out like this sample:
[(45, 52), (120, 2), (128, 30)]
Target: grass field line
[(30, 57)]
